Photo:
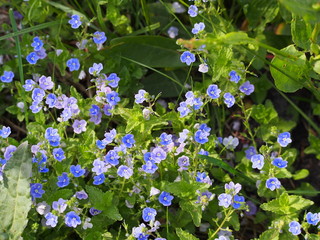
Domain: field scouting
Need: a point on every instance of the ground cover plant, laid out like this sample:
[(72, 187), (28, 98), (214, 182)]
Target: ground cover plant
[(159, 119)]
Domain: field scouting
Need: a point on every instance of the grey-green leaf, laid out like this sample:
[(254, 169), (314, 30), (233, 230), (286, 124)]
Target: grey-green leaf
[(15, 193)]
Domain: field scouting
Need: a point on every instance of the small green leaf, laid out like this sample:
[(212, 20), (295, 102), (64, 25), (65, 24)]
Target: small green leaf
[(183, 235), (289, 74), (15, 193), (301, 174), (301, 32), (287, 204)]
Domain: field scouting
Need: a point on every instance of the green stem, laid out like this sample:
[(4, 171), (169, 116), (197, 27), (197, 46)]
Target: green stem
[(18, 48), (223, 222), (246, 123), (167, 222)]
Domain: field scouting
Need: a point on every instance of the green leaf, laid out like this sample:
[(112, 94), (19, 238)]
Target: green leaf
[(183, 189), (194, 209), (301, 174), (301, 32), (287, 204), (293, 72), (15, 193), (104, 202), (314, 147), (183, 235), (220, 163), (308, 9), (153, 51), (270, 234), (263, 114), (259, 13)]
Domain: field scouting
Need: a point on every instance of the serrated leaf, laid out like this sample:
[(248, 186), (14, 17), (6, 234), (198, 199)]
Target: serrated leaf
[(15, 193), (287, 204), (295, 70), (194, 209), (183, 235), (270, 234), (301, 32)]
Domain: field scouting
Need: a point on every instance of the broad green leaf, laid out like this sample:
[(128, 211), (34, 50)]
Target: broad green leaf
[(301, 32), (194, 209), (235, 38), (184, 189), (308, 9), (15, 193), (293, 72), (183, 235), (104, 202), (287, 204), (153, 51), (259, 13), (270, 234)]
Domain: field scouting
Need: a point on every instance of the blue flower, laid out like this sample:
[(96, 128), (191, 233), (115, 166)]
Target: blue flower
[(95, 69), (99, 179), (279, 162), (201, 137), (45, 83), (37, 44), (99, 167), (183, 109), (94, 110), (60, 205), (149, 214), (81, 195), (128, 140), (7, 76), (99, 37), (229, 100), (247, 88), (36, 190), (149, 167), (173, 32), (198, 27), (51, 100), (158, 154), (193, 11), (77, 171), (29, 85), (250, 152), (124, 171), (238, 201), (295, 228), (230, 142), (273, 183), (5, 132), (140, 97), (312, 218), (75, 21), (63, 180), (284, 139), (52, 136), (257, 161), (165, 198), (52, 220), (203, 178), (94, 211), (32, 58), (8, 153), (213, 91), (225, 200), (112, 157), (73, 64), (72, 219), (183, 162), (113, 80), (113, 98), (58, 154), (165, 139), (187, 57), (234, 77), (38, 95)]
